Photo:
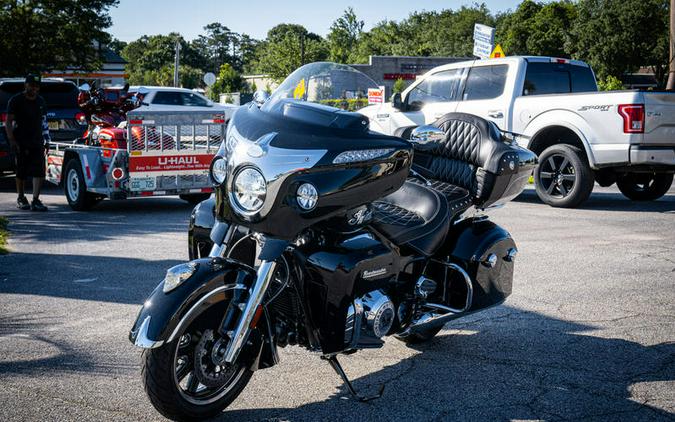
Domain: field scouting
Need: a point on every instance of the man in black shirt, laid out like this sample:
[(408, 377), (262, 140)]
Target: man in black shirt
[(28, 134)]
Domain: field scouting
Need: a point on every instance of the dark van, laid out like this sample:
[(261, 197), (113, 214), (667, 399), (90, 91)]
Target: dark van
[(66, 120)]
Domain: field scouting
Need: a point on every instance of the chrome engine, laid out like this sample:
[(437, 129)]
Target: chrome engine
[(369, 319)]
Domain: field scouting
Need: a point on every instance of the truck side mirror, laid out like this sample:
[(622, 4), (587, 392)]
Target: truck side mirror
[(397, 102)]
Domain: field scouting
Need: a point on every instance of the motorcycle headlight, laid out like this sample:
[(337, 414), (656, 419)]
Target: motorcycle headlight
[(249, 190), (219, 170), (178, 274), (307, 196)]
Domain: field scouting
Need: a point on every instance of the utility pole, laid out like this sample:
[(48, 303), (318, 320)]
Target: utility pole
[(670, 86), (176, 79)]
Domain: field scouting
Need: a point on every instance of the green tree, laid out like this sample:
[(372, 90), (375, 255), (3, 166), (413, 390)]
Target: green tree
[(445, 33), (610, 83), (216, 47), (228, 80), (620, 36), (189, 77), (399, 86), (149, 54), (537, 29), (281, 52), (42, 35), (344, 35), (116, 45)]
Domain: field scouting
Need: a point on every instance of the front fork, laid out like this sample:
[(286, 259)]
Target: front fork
[(251, 308)]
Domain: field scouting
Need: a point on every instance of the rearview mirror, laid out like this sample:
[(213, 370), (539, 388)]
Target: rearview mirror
[(397, 102), (260, 96), (423, 135)]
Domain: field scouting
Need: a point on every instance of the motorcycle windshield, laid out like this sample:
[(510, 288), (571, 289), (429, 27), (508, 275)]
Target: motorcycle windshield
[(329, 84)]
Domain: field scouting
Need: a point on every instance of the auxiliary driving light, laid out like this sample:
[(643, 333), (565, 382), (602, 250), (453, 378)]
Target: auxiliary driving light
[(307, 196), (219, 170), (178, 274)]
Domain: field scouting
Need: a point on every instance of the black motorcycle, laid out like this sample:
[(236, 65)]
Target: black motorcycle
[(329, 236)]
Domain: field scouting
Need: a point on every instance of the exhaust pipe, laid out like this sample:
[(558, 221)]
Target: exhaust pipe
[(439, 314)]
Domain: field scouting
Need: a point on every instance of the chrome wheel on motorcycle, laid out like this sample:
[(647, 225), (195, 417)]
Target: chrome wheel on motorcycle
[(184, 378)]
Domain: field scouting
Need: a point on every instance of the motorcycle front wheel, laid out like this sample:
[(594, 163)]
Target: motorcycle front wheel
[(181, 379)]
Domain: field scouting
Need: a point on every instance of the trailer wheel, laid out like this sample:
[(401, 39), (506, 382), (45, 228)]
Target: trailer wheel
[(75, 188)]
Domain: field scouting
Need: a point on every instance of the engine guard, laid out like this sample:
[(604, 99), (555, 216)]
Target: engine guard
[(164, 314)]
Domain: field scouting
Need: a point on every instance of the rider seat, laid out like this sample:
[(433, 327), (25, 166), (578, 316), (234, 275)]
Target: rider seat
[(415, 216), (458, 171)]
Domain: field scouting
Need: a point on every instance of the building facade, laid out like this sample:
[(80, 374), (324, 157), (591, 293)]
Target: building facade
[(385, 70), (112, 73)]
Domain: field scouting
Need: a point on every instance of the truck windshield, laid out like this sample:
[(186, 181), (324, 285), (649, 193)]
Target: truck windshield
[(557, 78)]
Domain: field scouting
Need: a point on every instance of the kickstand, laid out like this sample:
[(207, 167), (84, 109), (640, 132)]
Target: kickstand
[(338, 368)]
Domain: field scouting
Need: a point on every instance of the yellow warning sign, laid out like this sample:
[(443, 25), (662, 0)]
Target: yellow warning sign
[(299, 91), (497, 52)]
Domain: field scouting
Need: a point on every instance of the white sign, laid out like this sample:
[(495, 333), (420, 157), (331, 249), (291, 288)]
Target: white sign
[(209, 79), (376, 95), (483, 40)]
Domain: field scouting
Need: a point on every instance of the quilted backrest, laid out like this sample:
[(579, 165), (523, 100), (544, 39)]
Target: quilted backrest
[(461, 156)]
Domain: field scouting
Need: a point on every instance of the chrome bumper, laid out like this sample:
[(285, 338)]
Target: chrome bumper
[(657, 156)]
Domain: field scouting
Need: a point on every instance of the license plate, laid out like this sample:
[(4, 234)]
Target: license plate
[(142, 183), (53, 125)]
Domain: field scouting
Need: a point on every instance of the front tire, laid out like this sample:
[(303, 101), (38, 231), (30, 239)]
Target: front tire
[(170, 377), (563, 177), (644, 186)]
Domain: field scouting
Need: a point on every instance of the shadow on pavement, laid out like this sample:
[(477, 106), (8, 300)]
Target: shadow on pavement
[(84, 277), (609, 201), (29, 348), (503, 371), (498, 367), (107, 221)]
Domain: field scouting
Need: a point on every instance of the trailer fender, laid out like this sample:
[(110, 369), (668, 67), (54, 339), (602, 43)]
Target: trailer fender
[(92, 166)]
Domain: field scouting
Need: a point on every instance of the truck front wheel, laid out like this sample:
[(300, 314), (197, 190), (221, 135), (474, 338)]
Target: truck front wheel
[(75, 188), (644, 186), (563, 177)]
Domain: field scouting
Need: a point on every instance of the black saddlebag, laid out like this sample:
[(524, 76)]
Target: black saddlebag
[(486, 252)]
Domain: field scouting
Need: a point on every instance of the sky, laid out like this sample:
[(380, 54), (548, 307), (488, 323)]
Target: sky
[(134, 18)]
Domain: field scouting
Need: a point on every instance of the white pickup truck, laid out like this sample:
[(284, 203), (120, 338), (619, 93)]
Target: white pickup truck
[(581, 136)]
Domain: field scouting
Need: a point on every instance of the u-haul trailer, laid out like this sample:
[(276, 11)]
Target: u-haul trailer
[(166, 153)]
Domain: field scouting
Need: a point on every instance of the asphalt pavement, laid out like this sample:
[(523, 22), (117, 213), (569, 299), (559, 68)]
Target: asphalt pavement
[(588, 334)]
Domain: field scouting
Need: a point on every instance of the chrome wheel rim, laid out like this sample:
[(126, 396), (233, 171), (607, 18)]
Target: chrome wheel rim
[(185, 379), (557, 176), (73, 185)]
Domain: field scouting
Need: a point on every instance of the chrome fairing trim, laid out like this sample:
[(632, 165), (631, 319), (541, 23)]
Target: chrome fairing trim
[(275, 164), (142, 339)]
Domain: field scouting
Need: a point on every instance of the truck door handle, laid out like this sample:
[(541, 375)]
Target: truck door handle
[(495, 114)]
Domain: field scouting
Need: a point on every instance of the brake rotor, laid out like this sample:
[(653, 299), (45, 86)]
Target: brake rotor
[(208, 372)]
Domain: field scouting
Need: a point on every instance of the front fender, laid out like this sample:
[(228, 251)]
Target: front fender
[(163, 314)]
